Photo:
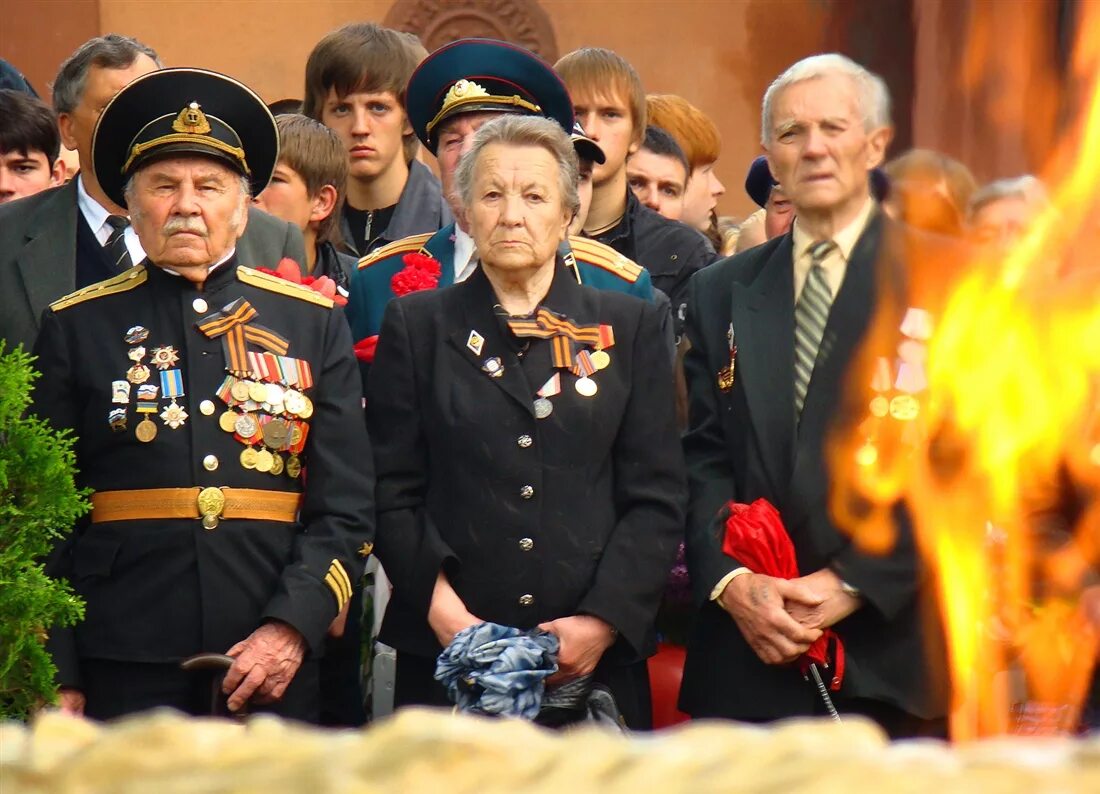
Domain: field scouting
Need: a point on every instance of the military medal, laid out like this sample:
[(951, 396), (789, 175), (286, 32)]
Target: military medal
[(139, 373), (240, 389), (879, 406), (543, 408), (257, 392), (726, 374), (147, 392), (264, 461), (493, 367), (293, 466), (475, 342), (146, 429), (136, 335), (276, 434), (293, 402), (725, 378), (135, 354), (120, 392), (586, 387), (245, 426), (904, 407), (248, 458), (165, 357), (277, 464), (117, 419), (601, 359), (171, 387), (307, 408)]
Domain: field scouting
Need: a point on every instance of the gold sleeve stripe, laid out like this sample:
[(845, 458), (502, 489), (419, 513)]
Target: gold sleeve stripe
[(402, 246), (275, 284), (123, 282), (337, 589), (605, 257), (342, 574)]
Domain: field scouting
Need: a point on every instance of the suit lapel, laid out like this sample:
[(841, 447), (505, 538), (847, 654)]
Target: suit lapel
[(478, 338), (47, 263), (763, 325), (441, 246)]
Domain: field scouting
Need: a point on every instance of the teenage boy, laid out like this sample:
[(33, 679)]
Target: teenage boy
[(609, 102), (307, 189), (29, 145), (355, 85)]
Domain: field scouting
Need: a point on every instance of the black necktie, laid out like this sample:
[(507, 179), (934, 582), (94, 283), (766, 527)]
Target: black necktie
[(115, 246)]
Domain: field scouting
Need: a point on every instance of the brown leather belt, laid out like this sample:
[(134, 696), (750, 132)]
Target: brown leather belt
[(209, 504)]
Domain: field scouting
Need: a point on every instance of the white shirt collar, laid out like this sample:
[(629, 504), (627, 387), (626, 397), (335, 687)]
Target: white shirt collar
[(94, 213), (465, 255)]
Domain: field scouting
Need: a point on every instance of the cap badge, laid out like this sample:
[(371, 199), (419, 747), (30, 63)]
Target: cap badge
[(464, 89), (191, 120)]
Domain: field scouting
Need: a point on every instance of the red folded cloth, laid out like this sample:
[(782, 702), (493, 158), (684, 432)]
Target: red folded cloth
[(364, 349), (756, 538), (288, 269)]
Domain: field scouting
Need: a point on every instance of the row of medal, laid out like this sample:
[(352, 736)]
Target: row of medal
[(271, 416), (147, 396)]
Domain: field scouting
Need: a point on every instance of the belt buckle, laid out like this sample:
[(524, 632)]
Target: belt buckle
[(211, 504)]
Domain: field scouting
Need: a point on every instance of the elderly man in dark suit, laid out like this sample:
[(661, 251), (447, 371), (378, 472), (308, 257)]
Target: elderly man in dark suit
[(74, 235), (773, 331)]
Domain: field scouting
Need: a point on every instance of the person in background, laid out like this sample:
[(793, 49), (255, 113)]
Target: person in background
[(1001, 212), (74, 235), (929, 191), (307, 189), (766, 193), (609, 102), (698, 136), (29, 146), (477, 424), (657, 173), (356, 78), (752, 231), (282, 107)]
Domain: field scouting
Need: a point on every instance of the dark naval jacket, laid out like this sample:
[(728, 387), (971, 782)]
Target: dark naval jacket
[(159, 590)]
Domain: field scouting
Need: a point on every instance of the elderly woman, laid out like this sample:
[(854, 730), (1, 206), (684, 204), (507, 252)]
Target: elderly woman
[(530, 473)]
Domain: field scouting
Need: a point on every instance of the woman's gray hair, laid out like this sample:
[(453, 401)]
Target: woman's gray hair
[(872, 96), (1027, 188), (516, 130)]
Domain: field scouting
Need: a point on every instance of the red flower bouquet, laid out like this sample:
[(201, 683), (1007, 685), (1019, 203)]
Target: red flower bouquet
[(420, 272)]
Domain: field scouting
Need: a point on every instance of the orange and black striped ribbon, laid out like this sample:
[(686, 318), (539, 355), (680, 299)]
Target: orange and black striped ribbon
[(563, 333), (234, 324)]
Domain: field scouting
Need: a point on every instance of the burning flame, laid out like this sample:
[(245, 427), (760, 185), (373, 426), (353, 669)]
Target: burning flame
[(985, 422)]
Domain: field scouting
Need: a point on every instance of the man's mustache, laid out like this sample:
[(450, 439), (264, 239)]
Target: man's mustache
[(193, 225)]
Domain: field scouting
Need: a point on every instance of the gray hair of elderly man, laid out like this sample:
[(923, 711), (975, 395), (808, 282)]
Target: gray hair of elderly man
[(513, 130), (1027, 188), (872, 96)]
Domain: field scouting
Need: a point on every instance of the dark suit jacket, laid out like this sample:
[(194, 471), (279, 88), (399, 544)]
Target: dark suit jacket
[(455, 449), (743, 445), (161, 590), (38, 255)]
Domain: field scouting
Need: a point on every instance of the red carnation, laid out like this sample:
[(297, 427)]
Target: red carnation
[(420, 272)]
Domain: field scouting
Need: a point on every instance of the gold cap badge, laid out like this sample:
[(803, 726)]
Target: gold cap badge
[(191, 120)]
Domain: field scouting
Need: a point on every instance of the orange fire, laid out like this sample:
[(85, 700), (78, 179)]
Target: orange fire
[(981, 413)]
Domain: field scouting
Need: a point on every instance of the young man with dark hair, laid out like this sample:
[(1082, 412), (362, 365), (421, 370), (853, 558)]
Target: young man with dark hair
[(355, 85), (609, 102), (307, 189), (658, 173), (29, 146)]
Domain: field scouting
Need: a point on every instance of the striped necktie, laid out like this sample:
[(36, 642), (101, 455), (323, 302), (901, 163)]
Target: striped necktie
[(115, 246), (810, 316)]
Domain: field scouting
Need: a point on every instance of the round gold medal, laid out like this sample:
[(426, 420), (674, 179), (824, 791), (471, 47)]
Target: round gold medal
[(146, 430), (879, 406), (277, 465), (293, 401), (248, 458), (228, 421), (904, 408), (307, 408), (600, 359), (264, 461), (293, 466), (239, 390), (295, 434), (257, 392)]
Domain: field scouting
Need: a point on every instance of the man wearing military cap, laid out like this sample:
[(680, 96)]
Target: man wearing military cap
[(451, 94), (202, 393)]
